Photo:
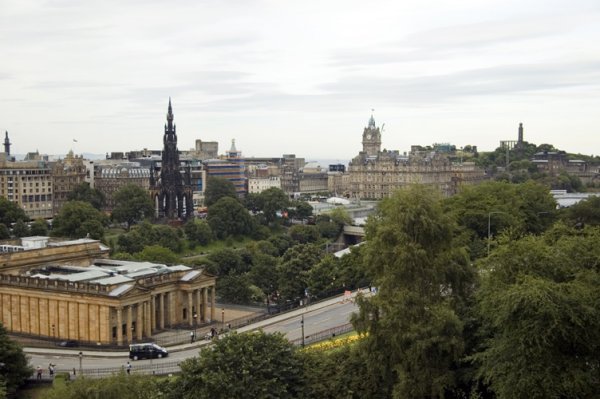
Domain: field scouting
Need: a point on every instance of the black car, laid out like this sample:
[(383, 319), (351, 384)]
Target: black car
[(68, 344)]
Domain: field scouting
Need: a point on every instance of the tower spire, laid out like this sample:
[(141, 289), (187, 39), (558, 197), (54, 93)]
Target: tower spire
[(6, 144)]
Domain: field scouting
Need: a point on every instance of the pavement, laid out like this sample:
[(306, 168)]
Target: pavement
[(201, 332)]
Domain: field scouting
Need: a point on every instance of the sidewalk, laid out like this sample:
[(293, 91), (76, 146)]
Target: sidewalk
[(200, 333)]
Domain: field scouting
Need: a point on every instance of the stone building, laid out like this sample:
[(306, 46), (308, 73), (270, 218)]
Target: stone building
[(110, 178), (28, 184), (376, 174), (66, 175), (70, 290)]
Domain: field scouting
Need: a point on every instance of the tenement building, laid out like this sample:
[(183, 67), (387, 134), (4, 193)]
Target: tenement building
[(376, 174), (71, 290)]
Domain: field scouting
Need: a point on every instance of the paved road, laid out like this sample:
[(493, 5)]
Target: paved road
[(317, 317)]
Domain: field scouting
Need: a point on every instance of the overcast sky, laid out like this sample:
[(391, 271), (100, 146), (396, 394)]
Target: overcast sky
[(298, 76)]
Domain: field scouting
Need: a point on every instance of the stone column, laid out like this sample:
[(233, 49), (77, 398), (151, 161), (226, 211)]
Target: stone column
[(204, 304), (119, 326), (139, 324), (161, 310), (198, 312), (148, 318), (172, 314), (212, 302), (190, 312), (129, 320), (152, 313)]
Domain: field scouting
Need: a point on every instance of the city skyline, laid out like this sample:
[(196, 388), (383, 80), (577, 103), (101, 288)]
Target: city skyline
[(283, 77)]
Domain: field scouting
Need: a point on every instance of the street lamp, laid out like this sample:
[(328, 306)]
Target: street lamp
[(223, 319), (302, 325), (489, 229), (195, 316), (80, 363)]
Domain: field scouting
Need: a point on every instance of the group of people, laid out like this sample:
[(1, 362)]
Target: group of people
[(40, 371)]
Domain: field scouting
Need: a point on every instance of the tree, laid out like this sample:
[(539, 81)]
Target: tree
[(251, 365), (132, 204), (294, 268), (414, 324), (39, 228), (227, 261), (122, 386), (538, 310), (78, 219), (20, 229), (198, 232), (15, 369), (10, 212), (4, 232), (217, 188), (158, 254), (235, 288), (228, 217), (271, 201), (304, 234), (83, 192), (301, 210), (583, 213), (264, 274)]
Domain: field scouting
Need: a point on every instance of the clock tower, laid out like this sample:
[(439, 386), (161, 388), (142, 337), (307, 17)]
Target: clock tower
[(371, 139)]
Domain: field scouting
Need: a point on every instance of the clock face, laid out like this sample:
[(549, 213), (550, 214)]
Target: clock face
[(368, 137)]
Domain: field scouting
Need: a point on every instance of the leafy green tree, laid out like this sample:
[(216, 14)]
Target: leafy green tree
[(132, 204), (304, 234), (324, 277), (83, 192), (20, 229), (10, 212), (414, 323), (78, 219), (251, 365), (158, 254), (301, 209), (235, 288), (538, 310), (145, 234), (4, 232), (294, 268), (281, 242), (227, 261), (121, 386), (271, 201), (227, 217), (15, 369), (583, 213), (217, 188), (264, 274), (168, 237), (198, 232), (39, 228)]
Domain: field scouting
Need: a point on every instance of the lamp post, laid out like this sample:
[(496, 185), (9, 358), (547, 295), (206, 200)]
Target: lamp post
[(223, 319), (302, 325), (489, 229), (195, 316), (80, 363)]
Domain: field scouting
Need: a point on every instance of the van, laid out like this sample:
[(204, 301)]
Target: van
[(147, 351)]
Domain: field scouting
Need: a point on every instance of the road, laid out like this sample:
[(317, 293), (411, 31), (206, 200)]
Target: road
[(317, 318)]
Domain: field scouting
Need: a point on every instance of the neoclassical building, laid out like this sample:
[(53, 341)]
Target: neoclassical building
[(376, 174), (71, 290)]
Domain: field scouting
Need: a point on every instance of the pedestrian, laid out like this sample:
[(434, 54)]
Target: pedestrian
[(192, 337), (51, 369), (128, 368), (39, 372)]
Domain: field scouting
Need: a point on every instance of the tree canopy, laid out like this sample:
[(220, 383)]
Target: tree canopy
[(250, 365), (132, 204), (10, 212), (78, 219), (15, 369), (228, 217), (83, 192), (414, 322), (217, 188)]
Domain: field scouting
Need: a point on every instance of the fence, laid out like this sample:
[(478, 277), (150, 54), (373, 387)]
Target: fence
[(323, 335)]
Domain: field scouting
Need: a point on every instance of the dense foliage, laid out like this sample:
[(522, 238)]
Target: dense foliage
[(14, 368), (78, 219), (132, 204)]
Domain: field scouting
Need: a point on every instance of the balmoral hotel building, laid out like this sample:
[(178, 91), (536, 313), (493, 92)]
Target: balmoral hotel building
[(71, 290)]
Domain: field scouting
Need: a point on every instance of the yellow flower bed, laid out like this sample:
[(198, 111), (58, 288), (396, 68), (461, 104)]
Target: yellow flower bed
[(334, 343)]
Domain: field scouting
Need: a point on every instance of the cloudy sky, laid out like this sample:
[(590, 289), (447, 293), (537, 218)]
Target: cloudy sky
[(299, 77)]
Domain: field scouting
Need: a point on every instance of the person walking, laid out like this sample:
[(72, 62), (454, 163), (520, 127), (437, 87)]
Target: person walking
[(39, 372), (192, 336), (128, 367)]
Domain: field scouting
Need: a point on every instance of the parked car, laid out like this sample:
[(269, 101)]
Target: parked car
[(68, 343), (147, 351)]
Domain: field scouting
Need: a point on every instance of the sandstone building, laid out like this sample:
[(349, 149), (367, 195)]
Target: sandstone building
[(376, 174), (70, 290)]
